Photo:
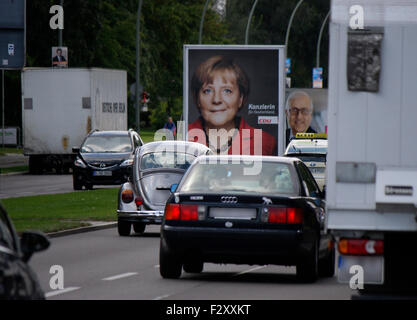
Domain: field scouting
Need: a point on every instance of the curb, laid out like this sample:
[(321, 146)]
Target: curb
[(82, 230)]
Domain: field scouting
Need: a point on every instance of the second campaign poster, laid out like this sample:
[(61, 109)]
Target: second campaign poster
[(232, 96)]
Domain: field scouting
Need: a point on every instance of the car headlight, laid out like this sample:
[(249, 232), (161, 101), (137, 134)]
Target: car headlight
[(127, 163), (79, 163)]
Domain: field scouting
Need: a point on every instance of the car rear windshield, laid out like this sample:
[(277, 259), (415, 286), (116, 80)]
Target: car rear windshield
[(171, 160), (111, 144), (259, 178), (293, 149), (309, 158)]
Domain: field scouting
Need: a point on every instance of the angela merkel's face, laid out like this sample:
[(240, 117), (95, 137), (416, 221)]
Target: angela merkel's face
[(220, 100)]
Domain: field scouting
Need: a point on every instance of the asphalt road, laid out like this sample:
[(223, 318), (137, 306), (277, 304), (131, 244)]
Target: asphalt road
[(102, 265), (20, 185)]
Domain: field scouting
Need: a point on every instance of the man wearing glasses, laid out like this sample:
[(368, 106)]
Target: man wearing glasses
[(299, 110)]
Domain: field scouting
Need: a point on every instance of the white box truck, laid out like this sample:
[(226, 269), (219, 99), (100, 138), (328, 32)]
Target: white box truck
[(61, 106), (372, 153)]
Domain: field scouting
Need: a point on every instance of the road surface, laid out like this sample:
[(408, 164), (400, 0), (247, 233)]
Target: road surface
[(102, 265)]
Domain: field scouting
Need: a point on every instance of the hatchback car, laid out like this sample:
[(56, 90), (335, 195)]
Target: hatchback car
[(105, 158), (17, 279), (312, 150), (157, 165), (246, 210)]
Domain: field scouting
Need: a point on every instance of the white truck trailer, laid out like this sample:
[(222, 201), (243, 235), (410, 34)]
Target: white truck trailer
[(372, 153), (61, 106)]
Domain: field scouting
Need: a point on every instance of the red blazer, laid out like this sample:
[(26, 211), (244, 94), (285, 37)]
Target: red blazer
[(249, 141)]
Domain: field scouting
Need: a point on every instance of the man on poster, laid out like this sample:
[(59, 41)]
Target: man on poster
[(299, 111), (59, 60)]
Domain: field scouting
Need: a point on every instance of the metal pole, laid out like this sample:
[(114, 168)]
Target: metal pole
[(60, 30), (200, 35), (319, 40), (287, 35), (249, 20), (137, 95), (2, 107)]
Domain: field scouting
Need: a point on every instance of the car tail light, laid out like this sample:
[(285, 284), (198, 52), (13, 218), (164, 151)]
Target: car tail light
[(285, 215), (363, 247), (181, 212), (277, 215), (188, 212), (127, 196), (172, 211), (139, 201), (294, 216)]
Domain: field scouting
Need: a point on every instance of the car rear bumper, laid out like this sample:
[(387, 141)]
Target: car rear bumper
[(240, 246), (146, 216)]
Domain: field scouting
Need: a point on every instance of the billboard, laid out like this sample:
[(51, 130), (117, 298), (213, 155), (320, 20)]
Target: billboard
[(233, 97)]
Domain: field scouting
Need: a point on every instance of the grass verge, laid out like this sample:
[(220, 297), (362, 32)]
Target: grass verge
[(147, 135), (3, 151), (50, 213)]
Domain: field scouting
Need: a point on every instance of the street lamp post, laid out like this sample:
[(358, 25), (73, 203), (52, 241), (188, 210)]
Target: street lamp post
[(60, 30), (249, 20), (200, 35), (319, 40), (287, 35), (137, 91)]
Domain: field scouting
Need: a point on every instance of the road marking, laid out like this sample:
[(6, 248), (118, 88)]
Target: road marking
[(162, 297), (57, 292), (119, 276), (247, 271)]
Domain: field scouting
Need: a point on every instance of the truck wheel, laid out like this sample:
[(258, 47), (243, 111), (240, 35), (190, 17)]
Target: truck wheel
[(327, 264), (139, 227), (193, 267), (169, 266), (123, 228), (34, 165), (77, 185), (307, 268)]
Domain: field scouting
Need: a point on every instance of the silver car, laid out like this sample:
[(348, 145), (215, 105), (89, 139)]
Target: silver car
[(157, 166)]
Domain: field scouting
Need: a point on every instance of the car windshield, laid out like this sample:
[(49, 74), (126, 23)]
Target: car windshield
[(271, 178), (111, 144), (172, 160)]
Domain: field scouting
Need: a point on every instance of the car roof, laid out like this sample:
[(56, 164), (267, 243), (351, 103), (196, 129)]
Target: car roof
[(174, 145), (247, 158)]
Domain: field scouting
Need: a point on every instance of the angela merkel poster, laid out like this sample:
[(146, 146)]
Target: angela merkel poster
[(232, 97)]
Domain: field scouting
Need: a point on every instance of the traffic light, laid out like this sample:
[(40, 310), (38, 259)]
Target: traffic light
[(145, 97)]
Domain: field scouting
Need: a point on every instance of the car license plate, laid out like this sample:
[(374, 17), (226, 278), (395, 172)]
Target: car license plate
[(232, 213), (102, 173), (373, 268)]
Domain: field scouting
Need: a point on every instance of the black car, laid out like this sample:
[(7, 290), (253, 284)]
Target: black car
[(17, 279), (157, 165), (105, 158), (246, 210)]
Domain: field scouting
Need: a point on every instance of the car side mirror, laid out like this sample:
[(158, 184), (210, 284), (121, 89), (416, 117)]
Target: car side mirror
[(31, 242), (174, 187), (75, 149)]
